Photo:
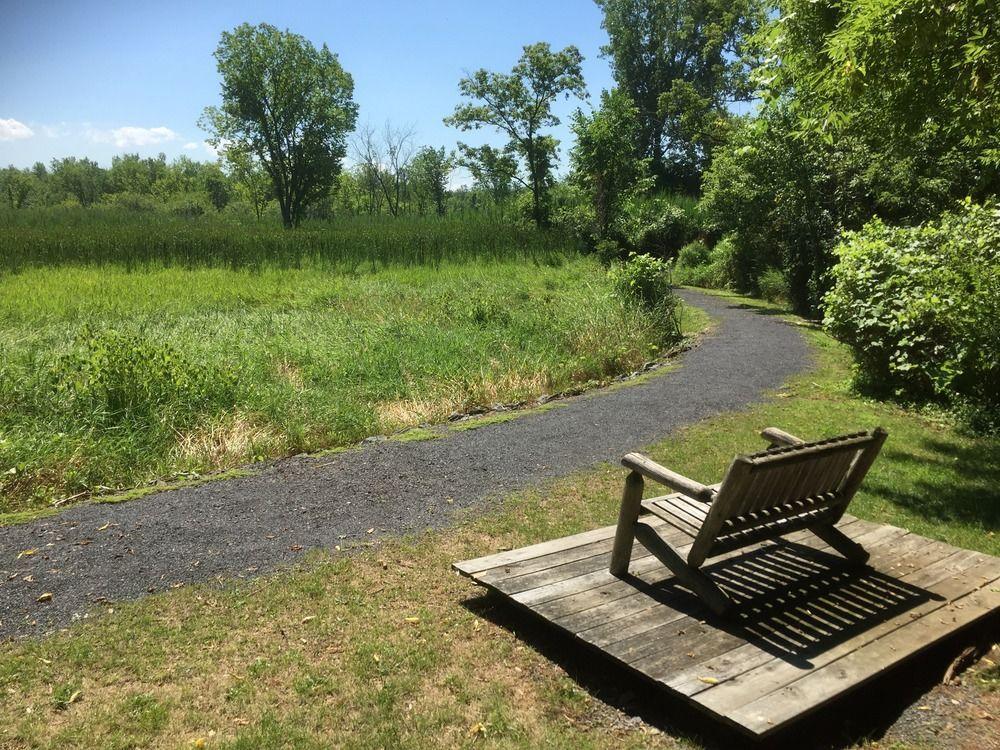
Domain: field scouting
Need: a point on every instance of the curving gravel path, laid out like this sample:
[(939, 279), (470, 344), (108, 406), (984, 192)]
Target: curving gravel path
[(93, 554)]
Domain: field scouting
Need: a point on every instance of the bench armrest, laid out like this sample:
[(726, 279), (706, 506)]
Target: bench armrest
[(780, 437), (678, 482)]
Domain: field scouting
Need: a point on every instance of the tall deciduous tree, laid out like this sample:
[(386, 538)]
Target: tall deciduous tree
[(603, 157), (81, 178), (519, 104), (493, 170), (682, 62), (287, 103), (429, 172)]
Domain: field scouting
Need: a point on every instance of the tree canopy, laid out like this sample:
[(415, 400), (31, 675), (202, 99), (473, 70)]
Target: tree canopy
[(288, 104), (682, 62), (519, 104)]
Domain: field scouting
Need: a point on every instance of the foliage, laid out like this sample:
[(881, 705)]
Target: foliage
[(288, 104), (657, 225), (646, 280), (693, 254), (82, 179), (773, 285), (519, 104), (429, 171), (493, 170), (920, 308), (121, 378), (889, 67), (603, 157), (715, 269), (15, 186), (681, 62)]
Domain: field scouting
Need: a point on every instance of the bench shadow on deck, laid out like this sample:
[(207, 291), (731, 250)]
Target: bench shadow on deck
[(807, 630)]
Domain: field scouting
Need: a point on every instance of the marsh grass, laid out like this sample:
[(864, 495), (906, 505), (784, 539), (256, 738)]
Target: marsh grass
[(132, 350), (386, 647), (351, 244)]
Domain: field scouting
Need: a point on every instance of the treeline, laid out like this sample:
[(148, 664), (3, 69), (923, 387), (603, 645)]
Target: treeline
[(417, 183)]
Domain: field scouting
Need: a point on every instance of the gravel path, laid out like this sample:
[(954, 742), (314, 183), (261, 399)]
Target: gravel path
[(94, 554)]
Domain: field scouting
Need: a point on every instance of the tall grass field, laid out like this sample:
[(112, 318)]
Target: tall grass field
[(136, 349)]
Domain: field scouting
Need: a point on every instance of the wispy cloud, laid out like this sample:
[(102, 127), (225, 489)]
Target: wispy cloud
[(192, 146), (13, 130), (131, 136)]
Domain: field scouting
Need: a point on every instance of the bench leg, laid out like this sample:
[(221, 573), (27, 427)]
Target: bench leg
[(842, 543), (703, 586), (628, 514)]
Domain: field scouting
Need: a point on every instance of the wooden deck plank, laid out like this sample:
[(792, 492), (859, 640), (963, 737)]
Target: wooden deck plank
[(914, 555), (854, 669), (807, 629), (727, 696)]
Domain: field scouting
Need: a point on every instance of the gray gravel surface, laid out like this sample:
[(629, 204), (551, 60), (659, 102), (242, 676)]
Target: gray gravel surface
[(100, 553)]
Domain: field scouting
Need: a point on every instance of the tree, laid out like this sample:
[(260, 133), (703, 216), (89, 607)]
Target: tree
[(81, 178), (493, 170), (287, 103), (604, 159), (682, 62), (888, 69), (386, 157), (253, 182), (16, 185), (519, 104), (430, 170), (217, 186)]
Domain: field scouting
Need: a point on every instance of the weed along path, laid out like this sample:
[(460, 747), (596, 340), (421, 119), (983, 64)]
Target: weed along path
[(57, 569)]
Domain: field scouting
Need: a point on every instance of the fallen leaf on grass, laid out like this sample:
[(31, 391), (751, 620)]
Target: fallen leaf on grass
[(308, 618), (46, 597), (27, 552), (477, 729), (412, 620)]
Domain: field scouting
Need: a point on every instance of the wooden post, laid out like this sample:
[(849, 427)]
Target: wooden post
[(628, 514)]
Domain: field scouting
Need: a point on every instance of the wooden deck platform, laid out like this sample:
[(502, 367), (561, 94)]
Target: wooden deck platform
[(807, 628)]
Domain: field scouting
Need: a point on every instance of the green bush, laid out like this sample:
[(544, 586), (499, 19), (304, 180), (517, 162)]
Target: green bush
[(658, 226), (693, 254), (120, 377), (646, 280), (920, 307), (716, 272), (773, 285)]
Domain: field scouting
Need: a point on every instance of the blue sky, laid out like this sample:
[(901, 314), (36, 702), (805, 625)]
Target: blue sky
[(99, 78)]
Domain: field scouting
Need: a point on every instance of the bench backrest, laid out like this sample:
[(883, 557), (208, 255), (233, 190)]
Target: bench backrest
[(771, 493)]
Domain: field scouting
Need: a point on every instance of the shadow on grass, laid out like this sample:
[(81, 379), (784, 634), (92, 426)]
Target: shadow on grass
[(864, 714), (956, 483)]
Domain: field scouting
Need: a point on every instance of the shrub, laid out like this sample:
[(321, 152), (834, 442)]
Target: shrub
[(693, 254), (120, 377), (646, 280), (920, 307), (657, 226), (773, 285), (716, 272)]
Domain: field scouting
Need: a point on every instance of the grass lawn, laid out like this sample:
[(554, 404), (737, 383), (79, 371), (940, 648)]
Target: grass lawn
[(112, 376), (375, 649)]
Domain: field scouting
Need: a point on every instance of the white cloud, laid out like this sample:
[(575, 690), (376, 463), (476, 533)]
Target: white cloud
[(131, 136), (12, 130), (191, 146)]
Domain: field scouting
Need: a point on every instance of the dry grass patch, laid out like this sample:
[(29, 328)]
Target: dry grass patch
[(228, 442)]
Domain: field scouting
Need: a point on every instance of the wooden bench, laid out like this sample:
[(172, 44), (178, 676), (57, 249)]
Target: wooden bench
[(790, 486)]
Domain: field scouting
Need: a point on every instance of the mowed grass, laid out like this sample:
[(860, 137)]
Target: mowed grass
[(111, 376), (385, 647)]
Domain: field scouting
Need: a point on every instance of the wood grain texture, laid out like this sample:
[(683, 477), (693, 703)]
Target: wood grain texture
[(807, 627)]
